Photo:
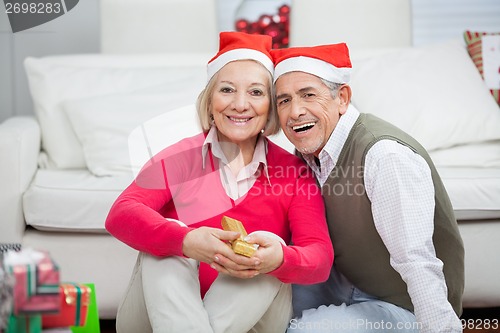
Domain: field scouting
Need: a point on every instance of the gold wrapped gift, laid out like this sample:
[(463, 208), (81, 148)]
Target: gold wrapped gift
[(239, 245)]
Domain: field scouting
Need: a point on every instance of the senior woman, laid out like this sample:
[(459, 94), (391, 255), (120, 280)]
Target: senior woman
[(187, 278)]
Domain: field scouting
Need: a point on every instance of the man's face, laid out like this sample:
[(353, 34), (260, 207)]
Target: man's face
[(307, 111)]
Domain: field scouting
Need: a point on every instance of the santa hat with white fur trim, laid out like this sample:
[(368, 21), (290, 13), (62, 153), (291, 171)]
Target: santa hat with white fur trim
[(241, 46), (329, 62)]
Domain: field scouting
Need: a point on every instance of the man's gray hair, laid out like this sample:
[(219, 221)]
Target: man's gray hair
[(332, 86)]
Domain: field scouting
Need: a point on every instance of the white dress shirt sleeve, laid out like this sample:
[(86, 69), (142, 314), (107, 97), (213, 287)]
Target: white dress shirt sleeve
[(399, 185)]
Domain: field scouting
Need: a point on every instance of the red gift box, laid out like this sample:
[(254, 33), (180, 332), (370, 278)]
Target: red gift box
[(74, 304), (36, 288)]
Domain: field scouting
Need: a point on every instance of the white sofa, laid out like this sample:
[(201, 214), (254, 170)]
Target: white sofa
[(62, 169)]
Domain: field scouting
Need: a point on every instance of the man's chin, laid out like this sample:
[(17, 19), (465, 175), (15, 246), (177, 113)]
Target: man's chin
[(305, 145), (306, 150)]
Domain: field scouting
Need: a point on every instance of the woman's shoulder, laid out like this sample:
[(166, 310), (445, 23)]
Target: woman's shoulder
[(183, 147), (187, 149)]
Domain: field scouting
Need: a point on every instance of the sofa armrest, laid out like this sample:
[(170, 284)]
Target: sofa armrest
[(19, 150)]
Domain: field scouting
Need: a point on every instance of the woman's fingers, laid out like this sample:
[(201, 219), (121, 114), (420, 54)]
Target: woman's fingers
[(242, 274)]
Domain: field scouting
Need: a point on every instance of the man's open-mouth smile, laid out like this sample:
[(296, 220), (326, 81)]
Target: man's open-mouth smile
[(303, 127)]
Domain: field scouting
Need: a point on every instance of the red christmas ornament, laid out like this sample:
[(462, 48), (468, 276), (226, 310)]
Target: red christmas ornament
[(242, 25), (265, 20), (285, 9), (275, 25)]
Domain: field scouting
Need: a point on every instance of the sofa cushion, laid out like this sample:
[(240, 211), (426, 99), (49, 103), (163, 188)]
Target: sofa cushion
[(55, 79), (112, 129), (434, 93), (473, 191), (473, 155), (71, 200)]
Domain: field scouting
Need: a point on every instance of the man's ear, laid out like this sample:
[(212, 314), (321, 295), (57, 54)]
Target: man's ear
[(344, 94)]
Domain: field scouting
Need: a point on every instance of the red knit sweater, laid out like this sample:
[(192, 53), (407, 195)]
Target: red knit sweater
[(178, 184)]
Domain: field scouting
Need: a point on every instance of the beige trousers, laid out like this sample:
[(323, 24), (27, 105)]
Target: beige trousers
[(164, 296)]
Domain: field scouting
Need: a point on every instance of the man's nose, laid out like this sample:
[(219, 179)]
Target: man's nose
[(296, 109)]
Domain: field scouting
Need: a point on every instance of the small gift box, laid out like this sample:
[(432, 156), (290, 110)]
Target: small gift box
[(74, 303), (25, 324), (36, 288)]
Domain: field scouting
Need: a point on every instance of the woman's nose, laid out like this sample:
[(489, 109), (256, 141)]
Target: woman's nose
[(240, 102)]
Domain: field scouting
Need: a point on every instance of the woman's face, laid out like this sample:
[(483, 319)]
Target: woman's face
[(241, 101)]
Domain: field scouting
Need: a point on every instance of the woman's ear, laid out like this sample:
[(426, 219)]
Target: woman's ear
[(344, 94)]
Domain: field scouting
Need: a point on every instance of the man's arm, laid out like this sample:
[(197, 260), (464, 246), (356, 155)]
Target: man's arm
[(400, 188)]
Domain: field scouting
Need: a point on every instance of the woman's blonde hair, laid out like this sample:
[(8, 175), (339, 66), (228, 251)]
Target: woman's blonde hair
[(204, 102)]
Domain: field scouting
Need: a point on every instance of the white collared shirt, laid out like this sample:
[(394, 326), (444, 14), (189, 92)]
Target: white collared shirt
[(399, 185), (237, 185)]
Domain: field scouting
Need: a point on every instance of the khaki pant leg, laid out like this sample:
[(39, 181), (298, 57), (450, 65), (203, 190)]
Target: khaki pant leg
[(172, 295), (238, 305), (132, 316), (278, 315)]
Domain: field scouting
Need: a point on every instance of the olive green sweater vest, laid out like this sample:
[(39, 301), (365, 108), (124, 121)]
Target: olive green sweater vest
[(360, 253)]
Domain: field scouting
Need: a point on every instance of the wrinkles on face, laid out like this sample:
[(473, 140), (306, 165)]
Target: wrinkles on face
[(308, 113)]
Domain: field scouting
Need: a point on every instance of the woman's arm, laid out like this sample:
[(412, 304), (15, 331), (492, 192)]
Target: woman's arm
[(310, 258), (135, 217)]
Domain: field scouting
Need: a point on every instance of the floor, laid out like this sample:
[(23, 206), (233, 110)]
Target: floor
[(108, 326), (476, 321)]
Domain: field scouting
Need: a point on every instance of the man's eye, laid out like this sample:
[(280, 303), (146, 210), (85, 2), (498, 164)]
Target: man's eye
[(283, 101), (309, 95)]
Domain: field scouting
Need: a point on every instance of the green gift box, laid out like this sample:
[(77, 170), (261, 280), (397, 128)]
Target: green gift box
[(92, 324), (24, 324)]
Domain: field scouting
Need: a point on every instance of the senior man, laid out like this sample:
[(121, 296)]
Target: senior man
[(398, 252)]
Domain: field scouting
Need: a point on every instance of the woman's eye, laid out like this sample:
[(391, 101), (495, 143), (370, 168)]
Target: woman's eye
[(226, 90), (256, 92)]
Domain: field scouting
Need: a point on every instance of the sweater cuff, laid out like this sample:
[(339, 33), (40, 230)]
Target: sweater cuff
[(283, 272), (174, 242)]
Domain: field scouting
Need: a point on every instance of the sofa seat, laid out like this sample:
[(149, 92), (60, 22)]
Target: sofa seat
[(82, 200), (474, 192)]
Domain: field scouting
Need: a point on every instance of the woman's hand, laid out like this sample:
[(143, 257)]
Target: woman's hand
[(267, 258), (210, 245), (202, 244)]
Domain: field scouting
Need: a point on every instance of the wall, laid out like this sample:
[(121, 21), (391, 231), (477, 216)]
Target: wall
[(75, 32), (78, 32)]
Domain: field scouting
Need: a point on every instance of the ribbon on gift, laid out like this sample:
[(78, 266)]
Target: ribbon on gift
[(74, 295)]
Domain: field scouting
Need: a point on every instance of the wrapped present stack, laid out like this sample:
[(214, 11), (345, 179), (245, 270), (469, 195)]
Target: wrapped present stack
[(39, 302)]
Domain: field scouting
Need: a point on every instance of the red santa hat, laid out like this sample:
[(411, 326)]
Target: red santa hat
[(329, 62), (241, 46)]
